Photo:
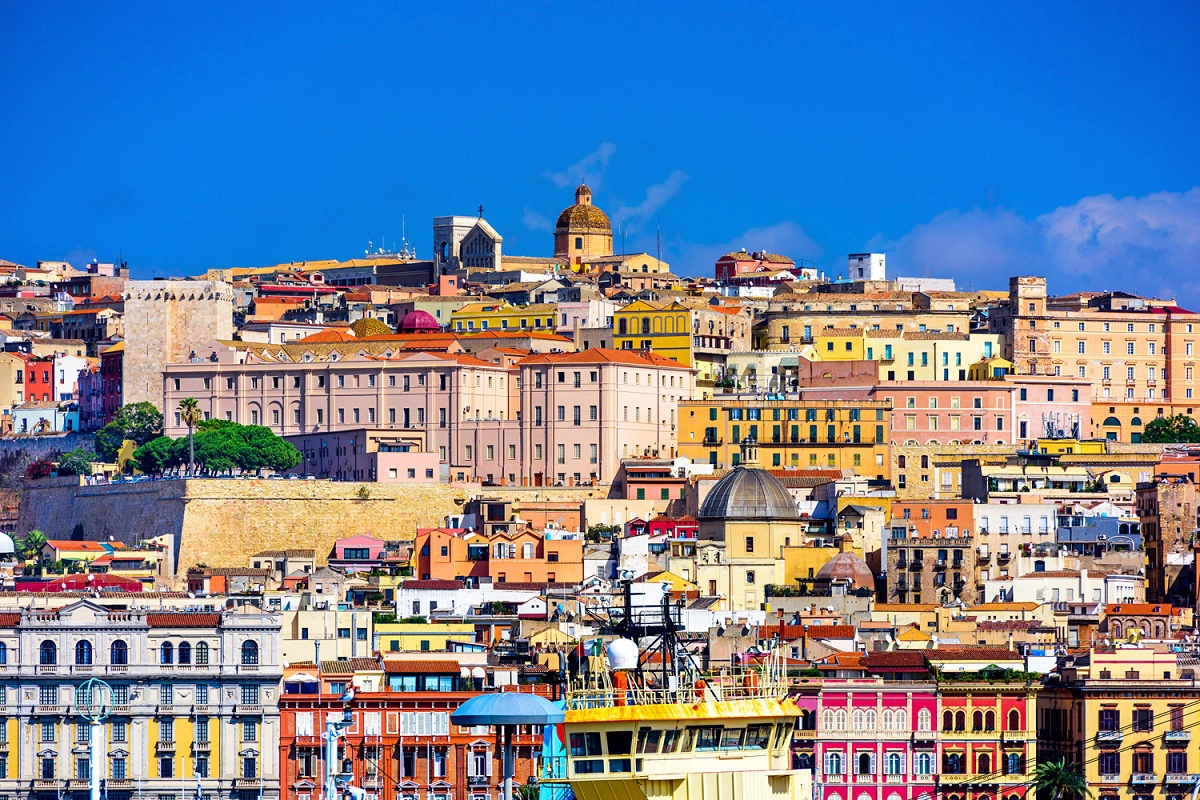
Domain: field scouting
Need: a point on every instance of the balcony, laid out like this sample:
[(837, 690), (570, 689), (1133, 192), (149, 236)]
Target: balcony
[(866, 777), (924, 737), (1014, 736), (478, 780), (1143, 779), (248, 710), (202, 747), (894, 779), (168, 709), (120, 708), (939, 564), (308, 741), (119, 783), (1109, 737), (916, 564), (78, 784), (1177, 736), (1003, 555), (247, 783), (372, 782), (50, 709), (1182, 778), (201, 708), (165, 747), (44, 784), (983, 557)]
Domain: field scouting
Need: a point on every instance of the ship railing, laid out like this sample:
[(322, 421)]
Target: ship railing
[(711, 691)]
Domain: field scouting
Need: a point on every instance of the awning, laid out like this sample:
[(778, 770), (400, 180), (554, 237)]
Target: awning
[(300, 677), (507, 708)]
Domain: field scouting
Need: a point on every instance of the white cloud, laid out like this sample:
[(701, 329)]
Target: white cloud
[(590, 169), (1148, 245), (786, 238), (656, 197), (537, 222)]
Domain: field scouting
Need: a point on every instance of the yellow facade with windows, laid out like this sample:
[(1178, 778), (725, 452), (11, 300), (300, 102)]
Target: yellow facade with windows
[(929, 355), (421, 636), (663, 329), (840, 344), (495, 316), (832, 434)]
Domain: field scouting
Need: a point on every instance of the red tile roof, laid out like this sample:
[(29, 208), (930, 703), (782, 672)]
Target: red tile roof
[(973, 654), (1140, 608), (600, 355), (9, 620), (831, 631), (348, 666), (895, 661), (183, 619)]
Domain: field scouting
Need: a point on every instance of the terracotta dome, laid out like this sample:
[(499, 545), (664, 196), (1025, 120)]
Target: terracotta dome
[(847, 567), (583, 217), (749, 493), (418, 321)]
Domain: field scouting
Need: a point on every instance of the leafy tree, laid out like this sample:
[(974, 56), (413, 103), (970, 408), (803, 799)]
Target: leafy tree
[(39, 469), (139, 422), (1057, 780), (31, 546), (157, 455), (189, 413), (1170, 430), (76, 462)]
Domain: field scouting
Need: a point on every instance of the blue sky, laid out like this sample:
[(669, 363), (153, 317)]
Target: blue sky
[(968, 140)]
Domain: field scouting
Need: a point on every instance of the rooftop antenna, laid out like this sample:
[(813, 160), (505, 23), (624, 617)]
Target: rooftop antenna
[(658, 238)]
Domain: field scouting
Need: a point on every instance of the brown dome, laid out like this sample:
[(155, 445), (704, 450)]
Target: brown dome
[(847, 567), (583, 217)]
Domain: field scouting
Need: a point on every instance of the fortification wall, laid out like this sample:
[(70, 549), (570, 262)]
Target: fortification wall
[(222, 522)]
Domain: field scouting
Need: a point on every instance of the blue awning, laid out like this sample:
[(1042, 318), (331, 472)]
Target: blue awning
[(507, 708)]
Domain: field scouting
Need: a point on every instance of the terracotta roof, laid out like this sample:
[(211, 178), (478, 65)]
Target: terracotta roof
[(1139, 608), (330, 335), (348, 666), (843, 661), (79, 547), (9, 620), (973, 654), (830, 631), (428, 666), (183, 619), (1007, 625), (895, 661), (435, 584)]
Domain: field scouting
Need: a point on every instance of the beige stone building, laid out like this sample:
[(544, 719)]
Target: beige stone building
[(168, 322)]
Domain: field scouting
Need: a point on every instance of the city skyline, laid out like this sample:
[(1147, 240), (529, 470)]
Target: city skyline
[(972, 144)]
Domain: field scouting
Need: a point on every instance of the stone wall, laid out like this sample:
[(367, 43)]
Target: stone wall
[(222, 522)]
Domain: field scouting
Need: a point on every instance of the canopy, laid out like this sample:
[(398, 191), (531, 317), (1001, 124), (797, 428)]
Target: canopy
[(507, 708)]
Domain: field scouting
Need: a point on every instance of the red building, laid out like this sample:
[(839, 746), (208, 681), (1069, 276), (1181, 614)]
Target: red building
[(401, 744), (39, 378), (112, 363), (735, 265), (672, 527)]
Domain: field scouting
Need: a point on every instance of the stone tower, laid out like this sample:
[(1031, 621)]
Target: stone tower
[(1027, 334), (165, 323)]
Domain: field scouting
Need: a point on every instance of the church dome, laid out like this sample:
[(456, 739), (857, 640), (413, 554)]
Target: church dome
[(749, 493), (418, 321), (6, 545), (583, 217), (847, 567)]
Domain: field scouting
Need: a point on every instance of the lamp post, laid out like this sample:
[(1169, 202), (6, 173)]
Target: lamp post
[(93, 699)]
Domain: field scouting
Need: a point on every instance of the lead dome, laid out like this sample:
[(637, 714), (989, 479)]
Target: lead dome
[(749, 493)]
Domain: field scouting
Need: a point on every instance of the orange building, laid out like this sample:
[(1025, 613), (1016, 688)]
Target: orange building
[(934, 518), (521, 555)]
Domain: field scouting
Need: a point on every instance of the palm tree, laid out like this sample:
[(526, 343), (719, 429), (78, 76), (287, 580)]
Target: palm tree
[(31, 546), (1056, 780), (189, 413)]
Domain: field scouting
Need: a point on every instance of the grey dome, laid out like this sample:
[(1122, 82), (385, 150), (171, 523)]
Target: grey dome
[(6, 545), (749, 493)]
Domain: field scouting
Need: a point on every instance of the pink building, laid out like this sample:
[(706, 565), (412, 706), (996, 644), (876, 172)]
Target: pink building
[(357, 554), (876, 738), (553, 418)]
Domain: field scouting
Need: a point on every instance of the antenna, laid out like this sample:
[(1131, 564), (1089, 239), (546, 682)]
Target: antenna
[(658, 238)]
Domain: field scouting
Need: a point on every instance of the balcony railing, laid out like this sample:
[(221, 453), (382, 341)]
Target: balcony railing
[(1186, 778), (1110, 737), (478, 780), (165, 747), (1177, 736), (1143, 778)]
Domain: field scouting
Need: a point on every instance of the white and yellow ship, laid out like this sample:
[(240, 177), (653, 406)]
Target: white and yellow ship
[(630, 734)]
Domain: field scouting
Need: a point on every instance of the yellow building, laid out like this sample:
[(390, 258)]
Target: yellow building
[(841, 434), (840, 344), (928, 355), (1127, 715), (12, 380), (421, 636), (497, 316), (664, 328)]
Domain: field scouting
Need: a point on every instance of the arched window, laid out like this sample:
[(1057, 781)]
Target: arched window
[(888, 722), (1012, 764), (827, 719), (118, 653), (833, 763), (185, 653), (840, 722), (960, 721), (83, 652), (250, 653), (952, 764), (924, 764), (48, 653), (989, 721), (977, 721), (924, 720), (857, 718), (1116, 629), (947, 720), (895, 765), (1014, 720), (869, 719), (864, 764), (202, 653), (166, 653), (804, 761), (983, 764), (901, 720)]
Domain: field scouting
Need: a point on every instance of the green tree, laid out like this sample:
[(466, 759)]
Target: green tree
[(138, 422), (76, 462), (1057, 780), (1171, 430), (157, 455), (189, 413), (32, 544)]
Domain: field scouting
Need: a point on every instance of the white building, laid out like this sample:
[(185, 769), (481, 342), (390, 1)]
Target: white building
[(1067, 586), (868, 267)]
